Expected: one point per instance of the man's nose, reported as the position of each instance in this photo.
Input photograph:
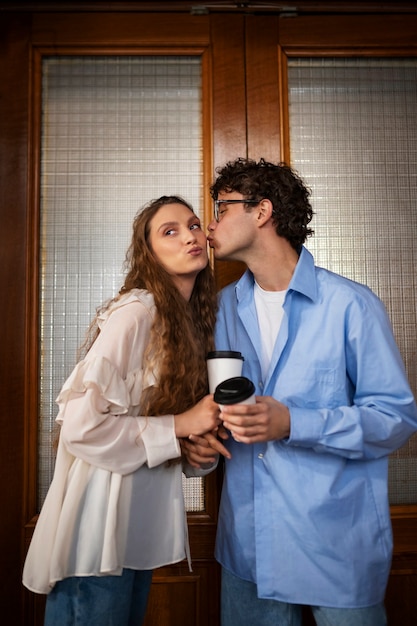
(212, 225)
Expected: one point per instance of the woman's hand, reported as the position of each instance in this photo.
(202, 418)
(202, 450)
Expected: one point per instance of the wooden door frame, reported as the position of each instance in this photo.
(13, 272)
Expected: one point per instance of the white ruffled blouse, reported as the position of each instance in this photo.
(113, 502)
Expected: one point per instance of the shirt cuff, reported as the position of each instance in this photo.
(306, 427)
(199, 472)
(158, 436)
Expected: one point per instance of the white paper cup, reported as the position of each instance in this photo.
(221, 365)
(237, 390)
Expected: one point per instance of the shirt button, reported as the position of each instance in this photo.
(261, 385)
(260, 455)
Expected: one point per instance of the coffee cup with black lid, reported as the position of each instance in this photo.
(221, 365)
(236, 390)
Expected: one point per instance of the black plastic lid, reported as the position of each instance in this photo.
(234, 390)
(225, 354)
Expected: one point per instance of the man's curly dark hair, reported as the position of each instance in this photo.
(279, 183)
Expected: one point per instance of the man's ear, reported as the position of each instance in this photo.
(263, 211)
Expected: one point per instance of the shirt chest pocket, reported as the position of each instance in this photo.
(316, 387)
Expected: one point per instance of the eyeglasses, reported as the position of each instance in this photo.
(219, 203)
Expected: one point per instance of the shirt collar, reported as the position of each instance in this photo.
(303, 280)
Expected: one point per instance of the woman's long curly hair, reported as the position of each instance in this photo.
(292, 211)
(182, 332)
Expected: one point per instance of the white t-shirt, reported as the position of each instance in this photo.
(270, 313)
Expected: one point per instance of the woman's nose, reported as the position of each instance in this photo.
(190, 236)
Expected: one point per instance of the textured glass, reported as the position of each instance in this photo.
(353, 136)
(116, 133)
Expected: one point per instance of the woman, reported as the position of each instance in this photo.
(115, 508)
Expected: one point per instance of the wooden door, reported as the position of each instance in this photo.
(177, 595)
(245, 83)
(270, 43)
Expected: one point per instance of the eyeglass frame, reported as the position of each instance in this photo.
(218, 203)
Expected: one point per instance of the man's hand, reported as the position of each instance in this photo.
(267, 420)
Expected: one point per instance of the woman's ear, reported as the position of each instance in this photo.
(263, 211)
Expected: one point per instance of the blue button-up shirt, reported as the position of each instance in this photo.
(307, 518)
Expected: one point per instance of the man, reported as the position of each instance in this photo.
(304, 516)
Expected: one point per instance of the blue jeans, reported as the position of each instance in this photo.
(241, 605)
(99, 600)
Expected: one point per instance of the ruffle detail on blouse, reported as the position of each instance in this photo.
(134, 295)
(120, 394)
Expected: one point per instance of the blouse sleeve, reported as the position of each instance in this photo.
(97, 402)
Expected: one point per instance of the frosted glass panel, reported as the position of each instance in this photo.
(116, 132)
(353, 136)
